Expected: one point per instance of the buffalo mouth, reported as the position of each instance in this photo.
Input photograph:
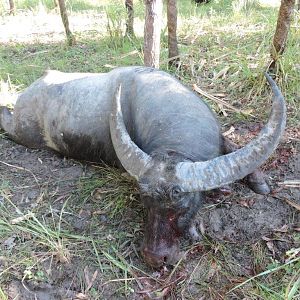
(163, 256)
(161, 239)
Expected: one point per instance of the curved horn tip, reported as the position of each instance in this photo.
(117, 101)
(134, 160)
(269, 79)
(119, 89)
(278, 97)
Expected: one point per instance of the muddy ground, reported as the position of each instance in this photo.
(235, 226)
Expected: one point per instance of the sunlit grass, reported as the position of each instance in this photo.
(214, 36)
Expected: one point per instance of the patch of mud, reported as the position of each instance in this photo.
(18, 290)
(244, 216)
(248, 219)
(31, 172)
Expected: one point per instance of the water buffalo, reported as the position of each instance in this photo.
(164, 135)
(201, 1)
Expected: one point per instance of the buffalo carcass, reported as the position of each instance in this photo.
(201, 1)
(157, 129)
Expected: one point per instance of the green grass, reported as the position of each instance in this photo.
(48, 5)
(229, 36)
(49, 232)
(109, 186)
(212, 38)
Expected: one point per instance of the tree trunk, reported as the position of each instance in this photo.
(152, 31)
(64, 17)
(282, 29)
(12, 8)
(130, 18)
(298, 5)
(172, 32)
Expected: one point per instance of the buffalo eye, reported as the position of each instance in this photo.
(175, 192)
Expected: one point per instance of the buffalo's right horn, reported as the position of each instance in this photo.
(207, 175)
(133, 159)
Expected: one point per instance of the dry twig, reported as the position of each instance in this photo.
(21, 168)
(290, 183)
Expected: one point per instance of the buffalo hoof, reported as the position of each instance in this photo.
(261, 188)
(5, 116)
(257, 183)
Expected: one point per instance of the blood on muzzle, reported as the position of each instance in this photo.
(161, 239)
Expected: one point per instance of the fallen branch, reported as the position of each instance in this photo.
(20, 219)
(291, 183)
(229, 131)
(173, 58)
(218, 100)
(129, 54)
(110, 66)
(34, 53)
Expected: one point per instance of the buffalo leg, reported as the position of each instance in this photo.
(255, 180)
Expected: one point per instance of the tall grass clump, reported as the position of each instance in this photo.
(35, 4)
(81, 5)
(115, 15)
(244, 5)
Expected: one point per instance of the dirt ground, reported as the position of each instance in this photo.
(239, 222)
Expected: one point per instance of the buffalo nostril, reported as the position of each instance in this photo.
(153, 258)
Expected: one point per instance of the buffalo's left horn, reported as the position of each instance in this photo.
(207, 175)
(133, 159)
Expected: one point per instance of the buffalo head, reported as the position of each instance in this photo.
(172, 187)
